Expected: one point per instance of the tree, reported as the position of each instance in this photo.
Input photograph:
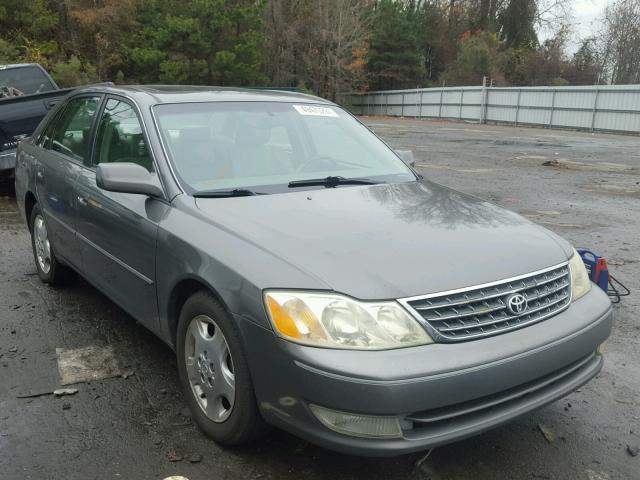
(73, 72)
(30, 30)
(200, 41)
(102, 30)
(620, 45)
(517, 24)
(586, 64)
(321, 46)
(478, 56)
(396, 58)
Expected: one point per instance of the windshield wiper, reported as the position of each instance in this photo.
(236, 192)
(330, 182)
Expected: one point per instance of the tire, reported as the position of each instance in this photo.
(50, 270)
(210, 367)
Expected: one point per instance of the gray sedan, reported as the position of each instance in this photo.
(306, 276)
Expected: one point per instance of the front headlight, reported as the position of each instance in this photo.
(335, 321)
(580, 282)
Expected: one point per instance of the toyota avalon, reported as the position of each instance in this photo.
(305, 275)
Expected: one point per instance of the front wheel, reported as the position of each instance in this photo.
(50, 270)
(214, 373)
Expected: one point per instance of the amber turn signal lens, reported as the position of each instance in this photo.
(294, 319)
(282, 320)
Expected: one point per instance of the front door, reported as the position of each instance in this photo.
(65, 146)
(117, 231)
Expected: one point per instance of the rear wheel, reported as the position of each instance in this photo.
(50, 270)
(214, 373)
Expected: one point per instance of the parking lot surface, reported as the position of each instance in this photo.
(584, 187)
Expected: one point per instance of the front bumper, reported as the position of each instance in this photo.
(440, 392)
(7, 160)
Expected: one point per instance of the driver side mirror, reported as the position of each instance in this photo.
(127, 177)
(407, 157)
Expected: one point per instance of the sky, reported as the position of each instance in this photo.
(586, 14)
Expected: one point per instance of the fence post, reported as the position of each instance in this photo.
(461, 100)
(402, 107)
(518, 106)
(553, 106)
(483, 100)
(421, 102)
(595, 110)
(386, 104)
(440, 107)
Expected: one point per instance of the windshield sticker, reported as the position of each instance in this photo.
(315, 110)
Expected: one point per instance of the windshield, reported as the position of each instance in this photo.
(27, 80)
(230, 145)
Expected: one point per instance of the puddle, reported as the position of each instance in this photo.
(87, 364)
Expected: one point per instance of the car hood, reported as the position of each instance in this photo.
(389, 240)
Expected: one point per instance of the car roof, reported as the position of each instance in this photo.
(158, 94)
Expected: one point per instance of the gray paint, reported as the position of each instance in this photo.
(369, 242)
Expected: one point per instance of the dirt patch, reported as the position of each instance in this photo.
(610, 167)
(454, 169)
(87, 364)
(613, 189)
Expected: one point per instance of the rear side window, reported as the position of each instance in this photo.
(26, 80)
(120, 137)
(72, 130)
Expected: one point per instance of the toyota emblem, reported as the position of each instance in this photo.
(516, 303)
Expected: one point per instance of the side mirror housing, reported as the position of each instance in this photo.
(125, 177)
(407, 157)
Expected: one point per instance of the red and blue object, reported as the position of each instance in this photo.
(597, 268)
(599, 274)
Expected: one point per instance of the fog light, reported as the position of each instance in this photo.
(601, 348)
(358, 425)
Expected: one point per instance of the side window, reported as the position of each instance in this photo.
(120, 137)
(70, 132)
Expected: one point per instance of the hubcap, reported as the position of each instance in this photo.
(43, 247)
(210, 368)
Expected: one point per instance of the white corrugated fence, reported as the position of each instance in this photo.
(613, 108)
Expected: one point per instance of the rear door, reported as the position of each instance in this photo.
(65, 145)
(117, 231)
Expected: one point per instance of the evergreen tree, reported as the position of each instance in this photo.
(396, 59)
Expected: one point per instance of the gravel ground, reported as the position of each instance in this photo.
(131, 427)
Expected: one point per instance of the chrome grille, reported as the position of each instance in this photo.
(482, 311)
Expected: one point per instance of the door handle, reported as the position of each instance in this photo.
(82, 201)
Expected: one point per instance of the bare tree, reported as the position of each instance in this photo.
(321, 45)
(620, 41)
